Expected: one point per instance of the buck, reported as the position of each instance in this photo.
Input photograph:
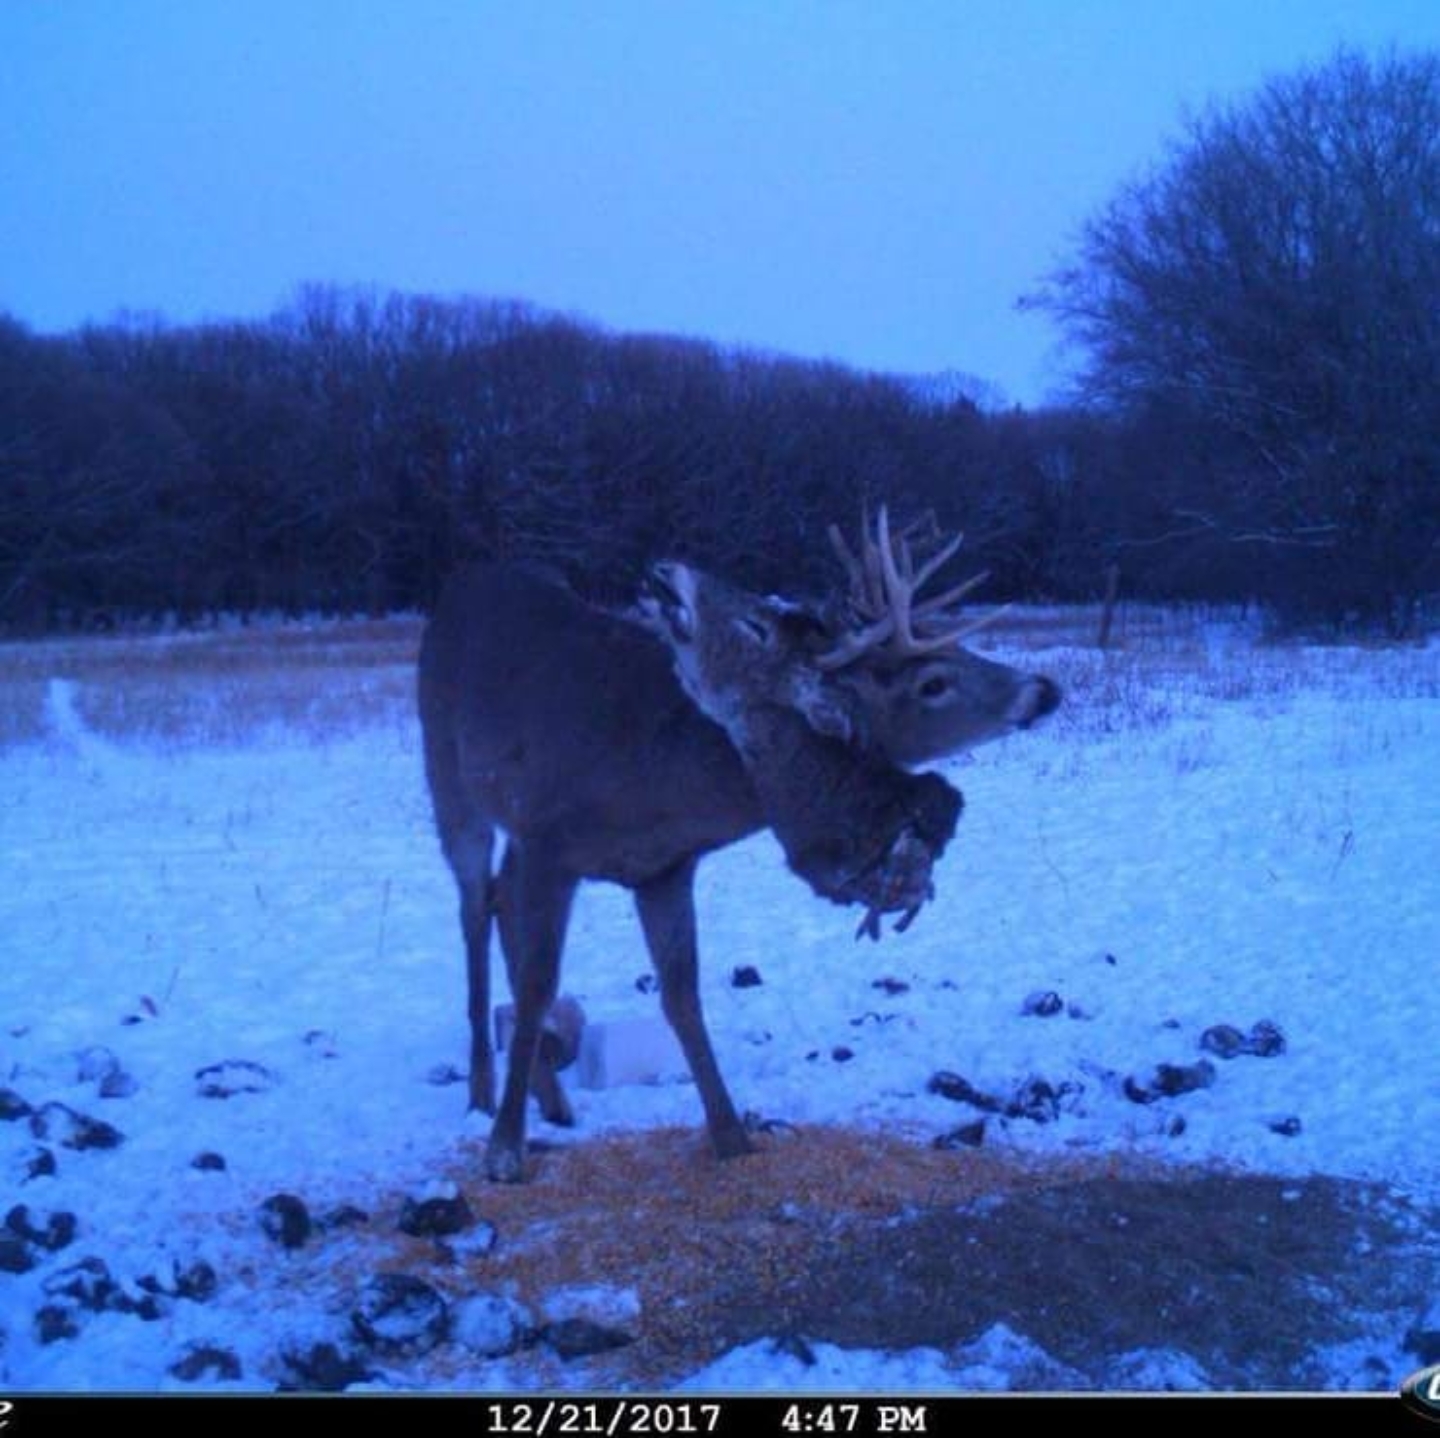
(567, 728)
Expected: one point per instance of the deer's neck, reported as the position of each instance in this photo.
(836, 812)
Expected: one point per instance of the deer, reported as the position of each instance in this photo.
(568, 728)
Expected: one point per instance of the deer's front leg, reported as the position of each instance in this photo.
(667, 913)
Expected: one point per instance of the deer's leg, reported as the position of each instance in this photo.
(534, 907)
(470, 857)
(556, 1049)
(550, 1052)
(667, 913)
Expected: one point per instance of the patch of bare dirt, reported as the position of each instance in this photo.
(875, 1241)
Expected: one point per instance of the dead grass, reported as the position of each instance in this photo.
(1167, 665)
(220, 686)
(1078, 626)
(227, 686)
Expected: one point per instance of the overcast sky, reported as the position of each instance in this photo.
(874, 181)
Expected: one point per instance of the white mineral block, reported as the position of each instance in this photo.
(629, 1051)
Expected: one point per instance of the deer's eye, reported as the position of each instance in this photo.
(934, 687)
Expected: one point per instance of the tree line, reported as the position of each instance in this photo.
(349, 452)
(1259, 418)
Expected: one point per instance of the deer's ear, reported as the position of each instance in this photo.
(822, 710)
(828, 718)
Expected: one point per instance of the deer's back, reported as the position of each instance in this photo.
(564, 725)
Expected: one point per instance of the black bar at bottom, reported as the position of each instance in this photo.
(555, 1417)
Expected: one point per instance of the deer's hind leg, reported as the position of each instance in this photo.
(469, 853)
(533, 898)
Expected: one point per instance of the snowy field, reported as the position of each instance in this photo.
(216, 850)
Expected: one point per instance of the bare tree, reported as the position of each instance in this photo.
(1277, 279)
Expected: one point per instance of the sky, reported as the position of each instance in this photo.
(870, 181)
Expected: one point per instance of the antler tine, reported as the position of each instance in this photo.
(923, 527)
(876, 589)
(897, 590)
(975, 626)
(853, 567)
(938, 559)
(928, 644)
(866, 588)
(951, 596)
(856, 643)
(884, 581)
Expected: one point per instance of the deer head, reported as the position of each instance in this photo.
(820, 709)
(876, 667)
(855, 827)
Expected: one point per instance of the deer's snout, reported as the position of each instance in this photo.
(1038, 697)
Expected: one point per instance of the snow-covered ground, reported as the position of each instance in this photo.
(1223, 835)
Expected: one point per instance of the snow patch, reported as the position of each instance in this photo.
(214, 907)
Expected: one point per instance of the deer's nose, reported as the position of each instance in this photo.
(1049, 697)
(1040, 697)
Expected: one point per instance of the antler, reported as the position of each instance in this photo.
(884, 581)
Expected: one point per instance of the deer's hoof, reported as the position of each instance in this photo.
(732, 1144)
(554, 1104)
(504, 1164)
